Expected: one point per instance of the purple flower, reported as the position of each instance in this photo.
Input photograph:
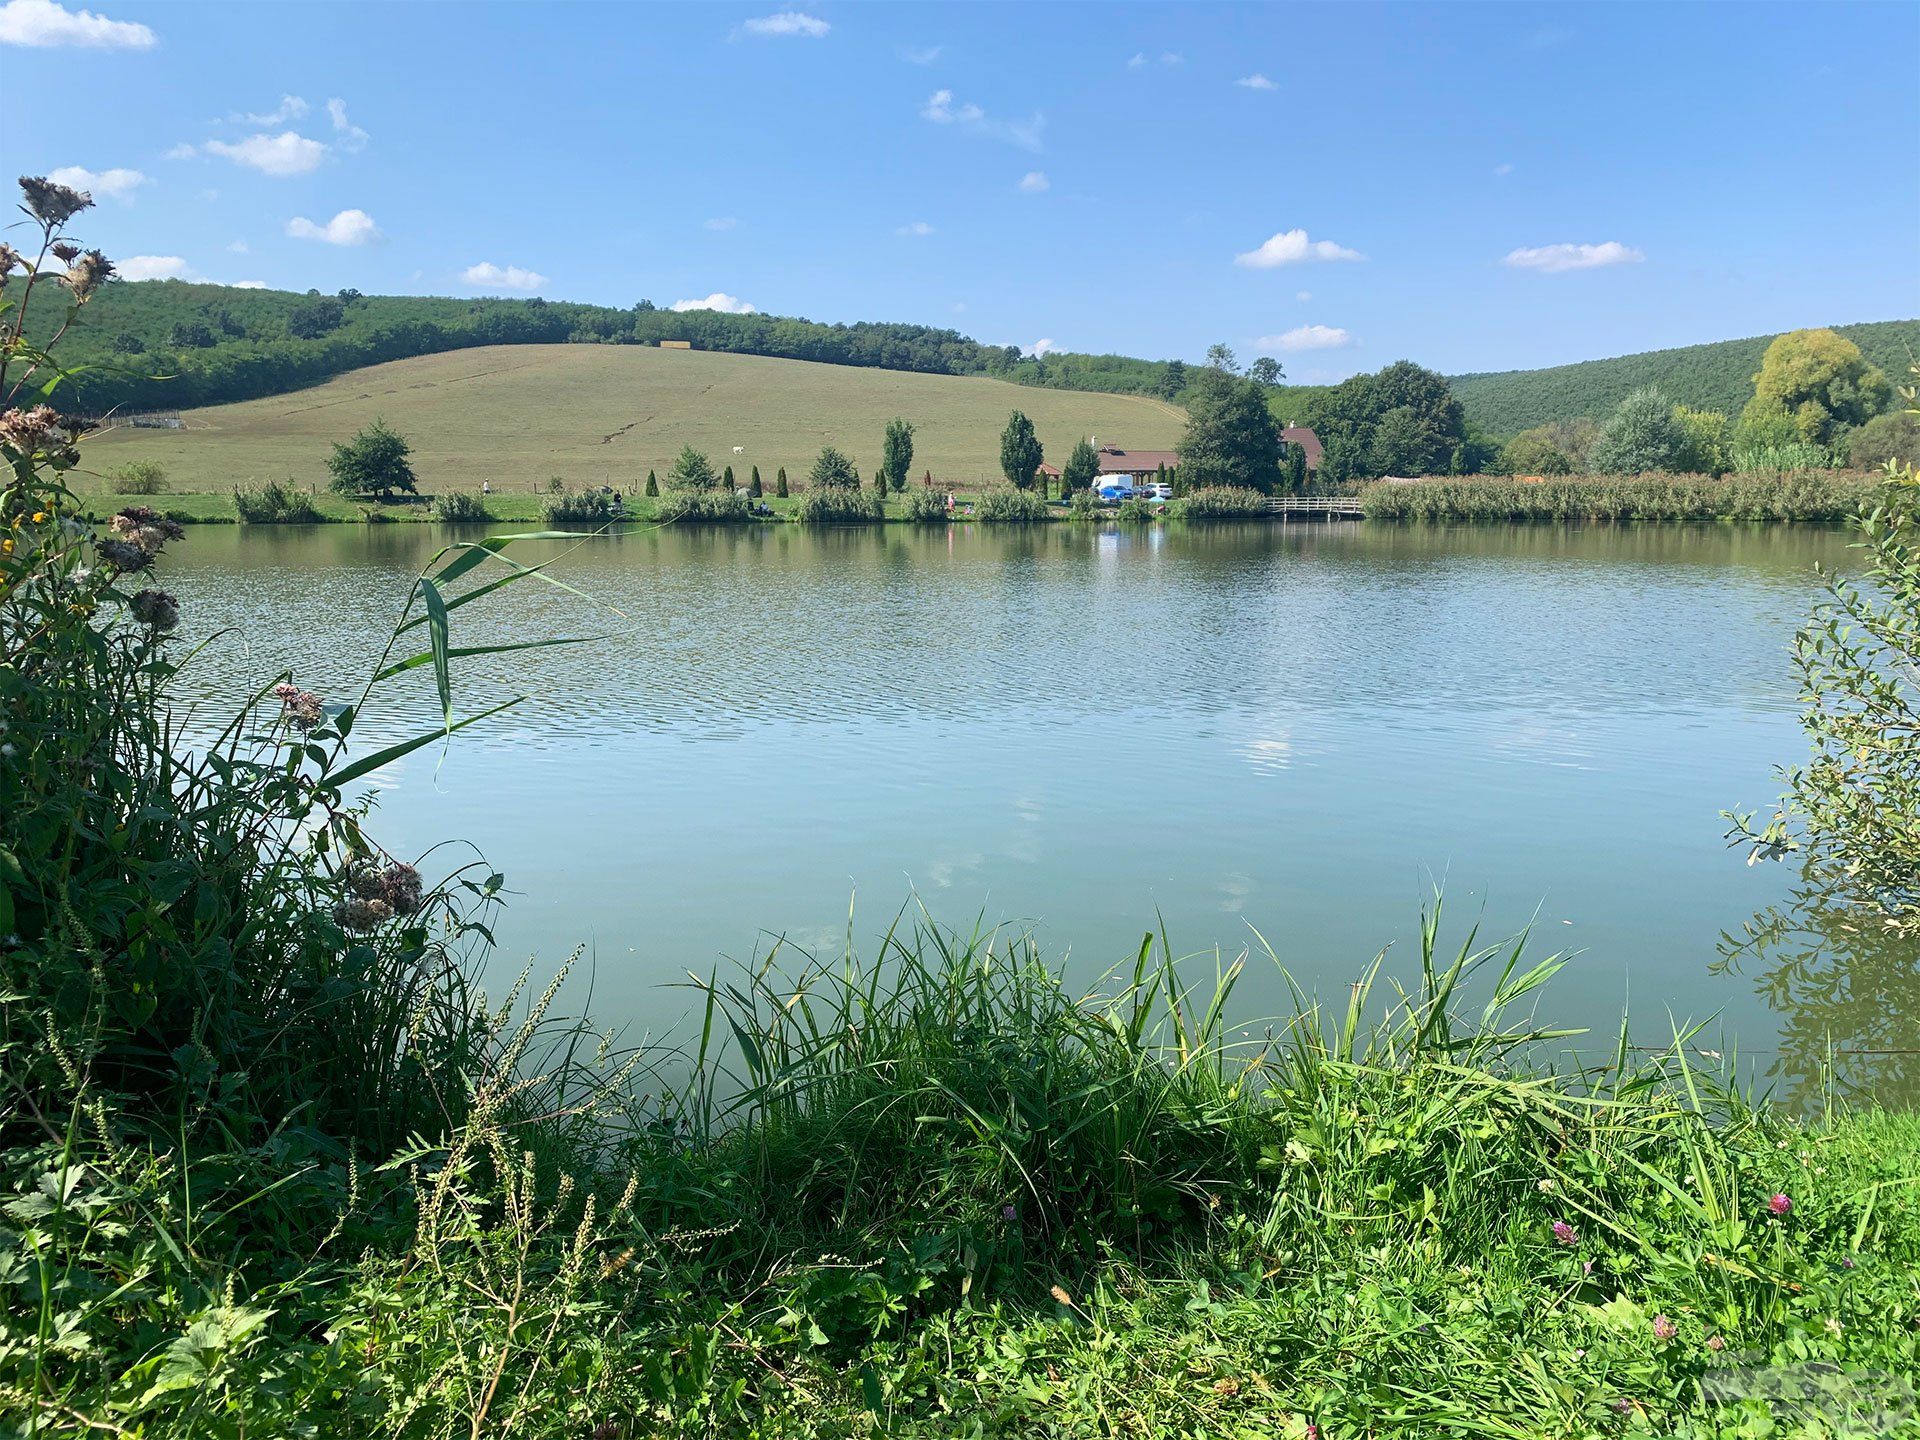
(1010, 1214)
(1664, 1329)
(1565, 1233)
(1780, 1205)
(1716, 1344)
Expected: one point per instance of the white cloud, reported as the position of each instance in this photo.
(250, 285)
(281, 155)
(915, 227)
(1035, 181)
(1503, 169)
(1303, 295)
(182, 151)
(788, 22)
(238, 247)
(115, 184)
(292, 107)
(489, 276)
(347, 135)
(1256, 81)
(1172, 57)
(42, 24)
(921, 54)
(1290, 247)
(154, 267)
(1137, 62)
(722, 222)
(1038, 348)
(941, 110)
(1306, 337)
(1551, 259)
(349, 227)
(719, 300)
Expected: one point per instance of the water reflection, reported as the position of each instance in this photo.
(1094, 730)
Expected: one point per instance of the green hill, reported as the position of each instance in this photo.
(1709, 377)
(607, 414)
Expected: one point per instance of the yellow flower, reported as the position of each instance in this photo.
(38, 516)
(6, 545)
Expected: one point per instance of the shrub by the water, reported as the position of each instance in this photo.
(274, 504)
(591, 507)
(1220, 502)
(1008, 506)
(138, 477)
(460, 507)
(714, 507)
(1135, 511)
(1805, 495)
(839, 505)
(1083, 506)
(924, 504)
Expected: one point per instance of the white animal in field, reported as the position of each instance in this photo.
(739, 449)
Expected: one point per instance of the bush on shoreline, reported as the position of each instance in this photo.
(839, 505)
(459, 507)
(1008, 506)
(703, 507)
(581, 507)
(275, 504)
(1221, 502)
(1793, 496)
(924, 504)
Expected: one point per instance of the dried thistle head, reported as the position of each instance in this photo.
(52, 204)
(65, 251)
(28, 430)
(87, 274)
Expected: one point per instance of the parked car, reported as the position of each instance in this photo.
(1159, 490)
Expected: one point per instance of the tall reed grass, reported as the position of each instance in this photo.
(1793, 496)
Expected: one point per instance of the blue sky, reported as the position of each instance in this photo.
(1470, 186)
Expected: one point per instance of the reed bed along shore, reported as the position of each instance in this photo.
(1808, 495)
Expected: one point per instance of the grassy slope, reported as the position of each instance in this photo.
(606, 415)
(1712, 377)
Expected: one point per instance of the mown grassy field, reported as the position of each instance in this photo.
(604, 415)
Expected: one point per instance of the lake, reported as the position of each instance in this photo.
(1090, 733)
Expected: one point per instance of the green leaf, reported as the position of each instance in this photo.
(373, 762)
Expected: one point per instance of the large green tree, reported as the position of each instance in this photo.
(1640, 437)
(1422, 441)
(1231, 436)
(1020, 452)
(896, 453)
(832, 471)
(1820, 382)
(692, 471)
(1560, 447)
(374, 462)
(1081, 470)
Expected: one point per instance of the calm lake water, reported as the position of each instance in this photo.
(1090, 733)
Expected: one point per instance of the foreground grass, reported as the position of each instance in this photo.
(931, 1194)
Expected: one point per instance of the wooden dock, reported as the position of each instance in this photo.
(1317, 507)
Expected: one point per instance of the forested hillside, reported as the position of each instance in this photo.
(1707, 377)
(175, 345)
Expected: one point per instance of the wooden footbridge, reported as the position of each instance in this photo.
(1317, 507)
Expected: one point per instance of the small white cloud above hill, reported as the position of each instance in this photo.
(154, 267)
(1552, 259)
(116, 184)
(42, 25)
(489, 276)
(349, 227)
(1306, 337)
(1256, 81)
(719, 300)
(1291, 247)
(788, 22)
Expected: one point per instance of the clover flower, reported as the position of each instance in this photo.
(155, 609)
(1664, 1329)
(1716, 1344)
(1010, 1214)
(1564, 1233)
(53, 204)
(1779, 1205)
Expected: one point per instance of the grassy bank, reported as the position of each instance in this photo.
(1805, 496)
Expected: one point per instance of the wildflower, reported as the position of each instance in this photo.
(1779, 1205)
(1059, 1292)
(1716, 1344)
(155, 609)
(53, 204)
(1664, 1329)
(27, 430)
(1834, 1327)
(87, 274)
(1846, 1262)
(145, 527)
(1586, 1267)
(1545, 1187)
(125, 555)
(10, 260)
(65, 251)
(362, 914)
(1564, 1233)
(1010, 1214)
(299, 707)
(607, 1430)
(1313, 1431)
(7, 751)
(1580, 1354)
